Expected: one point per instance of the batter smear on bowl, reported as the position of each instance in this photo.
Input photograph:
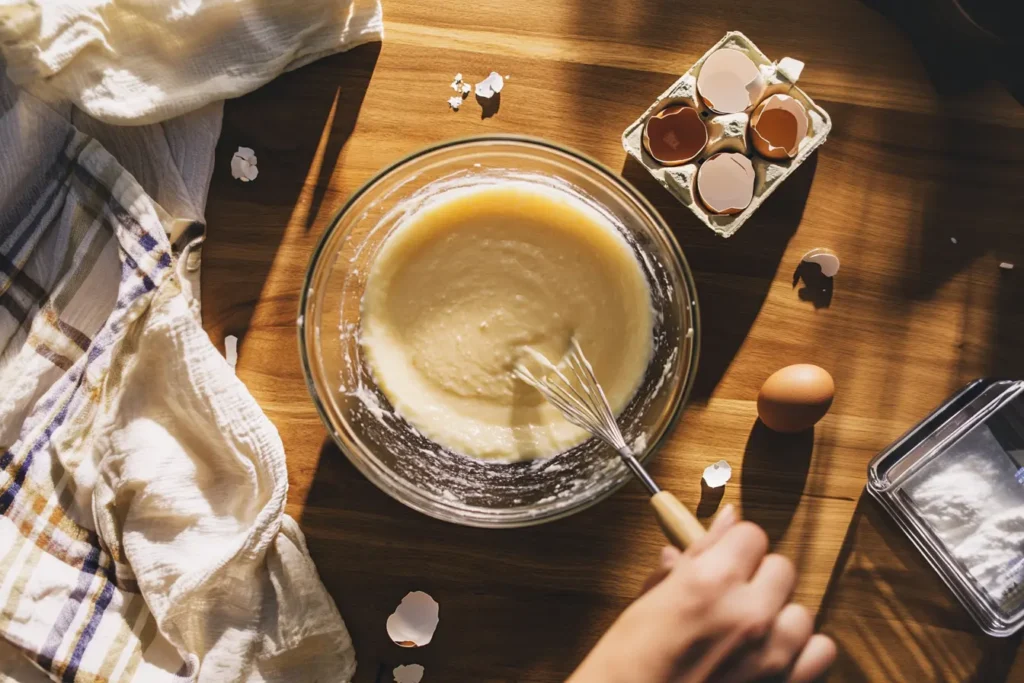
(464, 283)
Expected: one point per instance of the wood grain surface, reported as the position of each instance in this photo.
(915, 160)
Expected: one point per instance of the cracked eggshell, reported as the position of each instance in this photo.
(725, 183)
(826, 259)
(675, 135)
(717, 474)
(243, 165)
(408, 673)
(729, 82)
(790, 69)
(778, 126)
(490, 86)
(231, 350)
(414, 621)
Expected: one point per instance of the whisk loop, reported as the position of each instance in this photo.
(578, 395)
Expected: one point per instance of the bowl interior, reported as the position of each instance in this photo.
(386, 448)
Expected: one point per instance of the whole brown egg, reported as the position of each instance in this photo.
(795, 398)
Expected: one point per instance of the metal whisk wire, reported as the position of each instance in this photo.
(579, 397)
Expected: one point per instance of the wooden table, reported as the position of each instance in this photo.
(919, 192)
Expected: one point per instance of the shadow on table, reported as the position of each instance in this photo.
(970, 221)
(979, 203)
(959, 39)
(297, 124)
(976, 168)
(733, 275)
(773, 477)
(511, 600)
(895, 620)
(814, 285)
(710, 500)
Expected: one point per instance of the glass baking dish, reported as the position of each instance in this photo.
(955, 485)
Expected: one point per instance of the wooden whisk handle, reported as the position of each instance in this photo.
(679, 524)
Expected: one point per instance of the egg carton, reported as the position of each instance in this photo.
(728, 133)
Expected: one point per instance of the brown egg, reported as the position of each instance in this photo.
(725, 183)
(795, 398)
(675, 135)
(729, 82)
(777, 127)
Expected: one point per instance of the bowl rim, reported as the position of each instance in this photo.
(366, 468)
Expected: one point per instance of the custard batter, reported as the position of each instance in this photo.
(461, 286)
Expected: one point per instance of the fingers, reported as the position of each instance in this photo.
(788, 636)
(774, 582)
(724, 520)
(736, 555)
(816, 657)
(667, 560)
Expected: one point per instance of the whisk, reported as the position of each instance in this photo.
(578, 395)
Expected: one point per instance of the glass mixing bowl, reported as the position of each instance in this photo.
(387, 449)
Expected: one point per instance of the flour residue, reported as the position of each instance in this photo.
(971, 497)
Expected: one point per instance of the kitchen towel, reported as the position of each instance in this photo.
(142, 527)
(132, 62)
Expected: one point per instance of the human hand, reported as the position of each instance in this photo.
(718, 611)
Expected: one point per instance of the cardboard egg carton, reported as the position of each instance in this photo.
(729, 133)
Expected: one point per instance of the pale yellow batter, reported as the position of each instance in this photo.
(461, 286)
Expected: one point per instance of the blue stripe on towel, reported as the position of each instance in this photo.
(106, 595)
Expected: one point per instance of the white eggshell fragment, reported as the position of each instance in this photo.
(778, 126)
(408, 673)
(231, 350)
(790, 69)
(243, 165)
(490, 86)
(827, 259)
(414, 621)
(725, 183)
(729, 82)
(716, 474)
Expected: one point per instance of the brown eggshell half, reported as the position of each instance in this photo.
(795, 398)
(729, 82)
(777, 127)
(725, 183)
(675, 135)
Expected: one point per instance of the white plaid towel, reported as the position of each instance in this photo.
(142, 490)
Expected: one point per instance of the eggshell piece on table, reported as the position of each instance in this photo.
(717, 474)
(729, 82)
(490, 86)
(725, 183)
(826, 259)
(795, 398)
(675, 135)
(414, 621)
(408, 673)
(777, 127)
